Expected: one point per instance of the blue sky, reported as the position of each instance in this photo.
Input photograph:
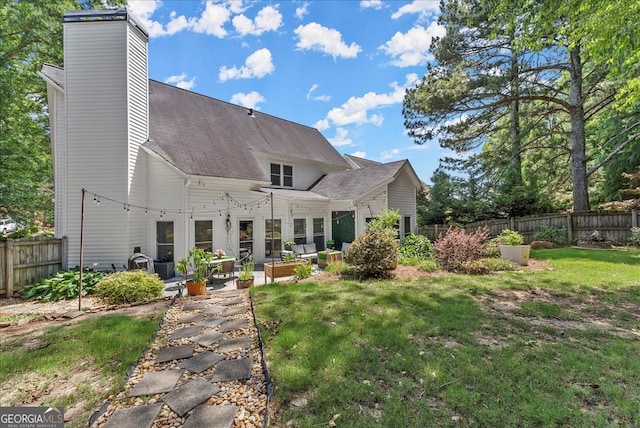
(340, 66)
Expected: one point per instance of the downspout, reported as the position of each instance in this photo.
(185, 221)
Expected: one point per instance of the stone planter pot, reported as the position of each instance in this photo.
(197, 288)
(516, 253)
(244, 283)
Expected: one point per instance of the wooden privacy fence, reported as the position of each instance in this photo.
(27, 261)
(615, 225)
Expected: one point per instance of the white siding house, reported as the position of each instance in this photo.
(164, 169)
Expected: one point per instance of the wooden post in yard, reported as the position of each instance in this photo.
(9, 266)
(569, 229)
(81, 251)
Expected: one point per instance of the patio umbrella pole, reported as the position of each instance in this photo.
(273, 256)
(81, 250)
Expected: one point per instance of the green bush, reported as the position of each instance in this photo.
(303, 271)
(487, 265)
(551, 234)
(63, 285)
(338, 268)
(428, 265)
(417, 246)
(510, 237)
(373, 254)
(128, 287)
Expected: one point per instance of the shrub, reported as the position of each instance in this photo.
(338, 268)
(510, 237)
(417, 246)
(373, 253)
(128, 287)
(551, 234)
(635, 236)
(492, 249)
(459, 246)
(303, 271)
(428, 265)
(385, 219)
(487, 265)
(63, 285)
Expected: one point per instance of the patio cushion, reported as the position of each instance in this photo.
(310, 248)
(297, 249)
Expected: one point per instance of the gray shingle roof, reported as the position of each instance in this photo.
(354, 183)
(200, 135)
(205, 136)
(361, 162)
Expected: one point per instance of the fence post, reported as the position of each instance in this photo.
(512, 223)
(569, 229)
(634, 218)
(9, 265)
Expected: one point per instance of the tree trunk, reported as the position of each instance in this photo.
(514, 126)
(577, 135)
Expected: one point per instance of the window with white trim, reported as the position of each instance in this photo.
(281, 175)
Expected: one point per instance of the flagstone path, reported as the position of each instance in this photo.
(202, 370)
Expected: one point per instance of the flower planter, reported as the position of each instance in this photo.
(516, 253)
(244, 283)
(326, 257)
(197, 288)
(281, 269)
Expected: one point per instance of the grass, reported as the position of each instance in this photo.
(75, 366)
(555, 347)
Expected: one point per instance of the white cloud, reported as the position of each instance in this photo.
(176, 24)
(357, 109)
(373, 4)
(302, 10)
(212, 20)
(341, 138)
(179, 81)
(412, 48)
(249, 100)
(322, 125)
(314, 36)
(421, 7)
(268, 19)
(257, 65)
(310, 95)
(359, 154)
(389, 154)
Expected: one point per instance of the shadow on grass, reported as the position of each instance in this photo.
(378, 354)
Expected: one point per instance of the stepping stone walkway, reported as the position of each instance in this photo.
(203, 370)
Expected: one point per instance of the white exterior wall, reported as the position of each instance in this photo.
(96, 94)
(138, 130)
(304, 173)
(57, 123)
(165, 198)
(402, 197)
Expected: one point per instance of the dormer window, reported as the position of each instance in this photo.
(281, 175)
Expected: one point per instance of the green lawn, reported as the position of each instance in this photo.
(75, 366)
(554, 347)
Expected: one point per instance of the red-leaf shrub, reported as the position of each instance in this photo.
(458, 246)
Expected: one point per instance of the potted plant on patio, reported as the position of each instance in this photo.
(512, 247)
(245, 276)
(330, 244)
(197, 262)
